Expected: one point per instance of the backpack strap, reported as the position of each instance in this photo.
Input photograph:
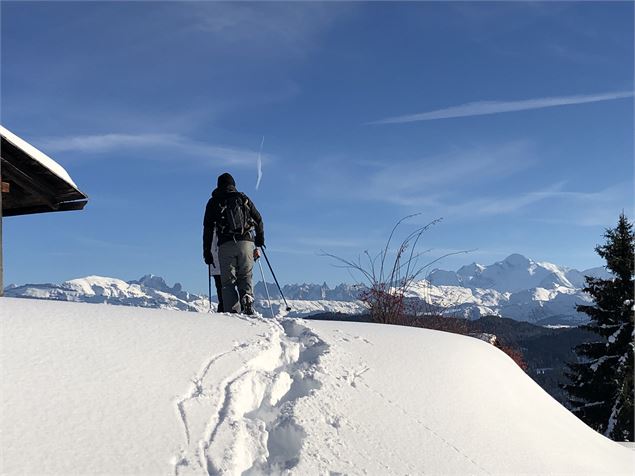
(247, 209)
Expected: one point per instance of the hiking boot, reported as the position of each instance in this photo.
(248, 305)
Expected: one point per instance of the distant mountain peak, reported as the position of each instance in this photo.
(153, 281)
(468, 269)
(514, 273)
(516, 259)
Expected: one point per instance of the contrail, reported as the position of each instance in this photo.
(262, 142)
(482, 108)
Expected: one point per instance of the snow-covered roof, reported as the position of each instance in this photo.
(35, 182)
(37, 155)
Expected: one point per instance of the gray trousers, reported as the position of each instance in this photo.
(236, 265)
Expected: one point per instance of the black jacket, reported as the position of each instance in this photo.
(212, 217)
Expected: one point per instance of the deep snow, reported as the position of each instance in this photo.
(90, 388)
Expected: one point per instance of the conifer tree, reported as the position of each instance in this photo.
(601, 382)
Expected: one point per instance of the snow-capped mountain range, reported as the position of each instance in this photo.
(153, 292)
(515, 273)
(516, 287)
(149, 291)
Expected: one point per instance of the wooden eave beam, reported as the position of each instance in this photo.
(61, 207)
(50, 183)
(28, 183)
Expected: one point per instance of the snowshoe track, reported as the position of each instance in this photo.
(246, 424)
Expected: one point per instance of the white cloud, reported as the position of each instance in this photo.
(464, 185)
(438, 173)
(158, 146)
(481, 108)
(422, 182)
(510, 204)
(555, 205)
(272, 29)
(595, 208)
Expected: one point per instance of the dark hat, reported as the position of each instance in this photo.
(226, 180)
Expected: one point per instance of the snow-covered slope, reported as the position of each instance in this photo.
(91, 389)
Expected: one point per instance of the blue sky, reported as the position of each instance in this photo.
(512, 121)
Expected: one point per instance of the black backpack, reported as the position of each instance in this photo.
(235, 217)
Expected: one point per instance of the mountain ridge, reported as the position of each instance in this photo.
(516, 287)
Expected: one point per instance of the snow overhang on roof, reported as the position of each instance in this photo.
(32, 182)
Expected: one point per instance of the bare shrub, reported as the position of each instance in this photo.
(515, 354)
(441, 323)
(386, 282)
(387, 279)
(385, 307)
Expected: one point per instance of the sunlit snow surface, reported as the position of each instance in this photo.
(90, 388)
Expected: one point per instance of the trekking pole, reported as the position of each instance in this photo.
(262, 273)
(275, 279)
(209, 279)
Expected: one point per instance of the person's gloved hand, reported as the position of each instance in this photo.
(256, 253)
(209, 258)
(259, 241)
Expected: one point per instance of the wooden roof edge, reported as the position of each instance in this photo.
(60, 207)
(40, 157)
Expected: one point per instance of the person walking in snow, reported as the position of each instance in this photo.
(233, 217)
(214, 270)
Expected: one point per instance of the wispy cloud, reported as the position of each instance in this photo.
(506, 204)
(591, 208)
(454, 169)
(511, 204)
(268, 29)
(162, 146)
(481, 108)
(473, 184)
(418, 182)
(551, 204)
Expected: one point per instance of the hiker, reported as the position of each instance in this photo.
(214, 270)
(233, 217)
